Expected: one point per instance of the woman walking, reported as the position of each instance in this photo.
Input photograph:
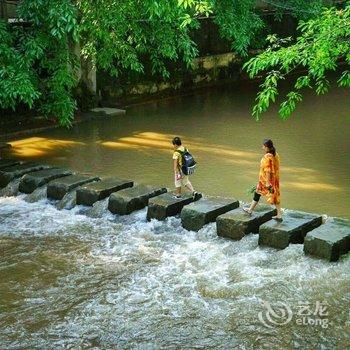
(268, 185)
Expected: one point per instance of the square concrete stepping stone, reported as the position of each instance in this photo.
(165, 205)
(292, 229)
(5, 163)
(57, 189)
(135, 198)
(96, 191)
(13, 172)
(195, 215)
(235, 224)
(106, 111)
(329, 241)
(32, 181)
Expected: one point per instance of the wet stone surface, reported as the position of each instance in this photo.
(96, 191)
(13, 172)
(5, 163)
(329, 241)
(292, 229)
(195, 215)
(106, 111)
(32, 181)
(166, 205)
(57, 189)
(235, 224)
(126, 201)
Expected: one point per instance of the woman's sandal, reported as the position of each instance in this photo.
(247, 211)
(277, 218)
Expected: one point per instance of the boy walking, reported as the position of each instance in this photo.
(180, 178)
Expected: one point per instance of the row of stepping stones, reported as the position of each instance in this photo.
(327, 240)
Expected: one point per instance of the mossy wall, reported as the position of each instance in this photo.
(216, 64)
(206, 71)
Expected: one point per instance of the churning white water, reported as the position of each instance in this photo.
(84, 278)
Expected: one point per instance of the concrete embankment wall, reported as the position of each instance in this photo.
(323, 238)
(216, 64)
(207, 71)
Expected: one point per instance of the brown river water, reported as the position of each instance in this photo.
(226, 141)
(87, 279)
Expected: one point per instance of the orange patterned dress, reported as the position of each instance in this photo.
(269, 165)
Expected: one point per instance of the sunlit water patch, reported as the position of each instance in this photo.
(84, 278)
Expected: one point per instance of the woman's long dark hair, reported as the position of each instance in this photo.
(269, 144)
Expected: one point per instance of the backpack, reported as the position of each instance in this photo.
(188, 162)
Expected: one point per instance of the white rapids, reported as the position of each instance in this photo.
(84, 278)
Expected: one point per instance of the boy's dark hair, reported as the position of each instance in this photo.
(177, 141)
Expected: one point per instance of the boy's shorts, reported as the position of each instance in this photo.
(182, 182)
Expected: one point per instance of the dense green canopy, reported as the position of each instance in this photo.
(40, 57)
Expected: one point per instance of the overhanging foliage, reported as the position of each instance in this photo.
(324, 42)
(39, 61)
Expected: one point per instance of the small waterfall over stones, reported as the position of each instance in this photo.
(37, 195)
(11, 189)
(68, 201)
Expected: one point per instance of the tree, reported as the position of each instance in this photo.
(37, 66)
(38, 63)
(323, 43)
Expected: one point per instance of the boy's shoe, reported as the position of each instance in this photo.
(196, 195)
(279, 219)
(177, 196)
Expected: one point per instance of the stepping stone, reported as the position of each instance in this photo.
(165, 205)
(5, 163)
(32, 181)
(106, 111)
(195, 215)
(10, 173)
(292, 229)
(235, 224)
(126, 201)
(329, 241)
(57, 189)
(96, 191)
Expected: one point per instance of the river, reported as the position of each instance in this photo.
(87, 279)
(226, 141)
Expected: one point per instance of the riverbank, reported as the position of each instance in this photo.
(21, 127)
